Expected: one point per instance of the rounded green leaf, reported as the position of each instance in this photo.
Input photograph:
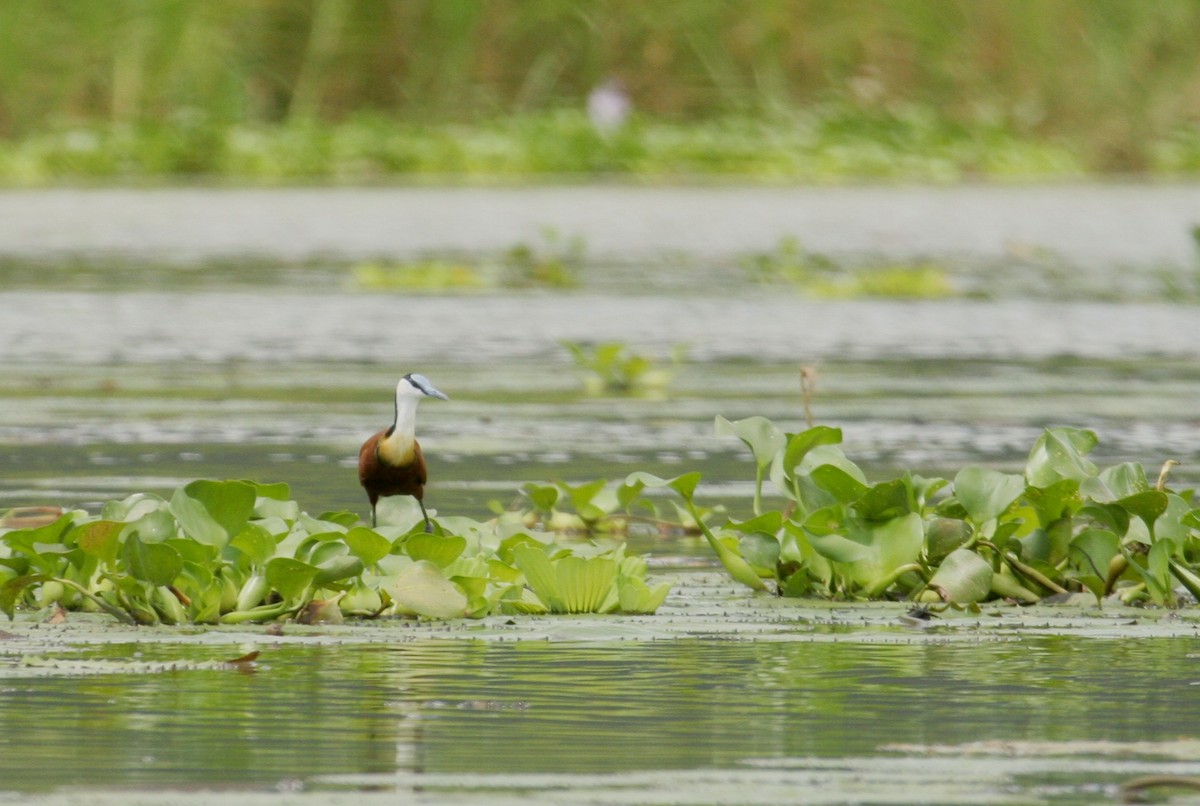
(156, 563)
(986, 493)
(337, 569)
(441, 550)
(963, 577)
(288, 577)
(367, 544)
(255, 543)
(99, 539)
(422, 590)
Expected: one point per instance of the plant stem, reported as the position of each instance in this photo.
(114, 611)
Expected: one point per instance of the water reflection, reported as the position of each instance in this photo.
(484, 707)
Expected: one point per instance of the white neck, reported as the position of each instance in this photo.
(397, 447)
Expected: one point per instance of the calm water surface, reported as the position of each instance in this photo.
(477, 707)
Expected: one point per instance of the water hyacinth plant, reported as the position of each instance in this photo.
(613, 368)
(235, 551)
(1063, 526)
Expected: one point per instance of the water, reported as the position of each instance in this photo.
(132, 362)
(334, 715)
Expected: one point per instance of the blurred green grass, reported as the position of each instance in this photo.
(791, 90)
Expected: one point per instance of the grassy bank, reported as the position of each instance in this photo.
(788, 89)
(823, 145)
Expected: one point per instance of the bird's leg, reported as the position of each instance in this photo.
(428, 523)
(372, 515)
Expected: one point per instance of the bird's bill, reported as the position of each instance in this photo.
(422, 383)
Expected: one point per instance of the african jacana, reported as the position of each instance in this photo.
(390, 463)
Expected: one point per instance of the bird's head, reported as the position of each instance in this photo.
(418, 386)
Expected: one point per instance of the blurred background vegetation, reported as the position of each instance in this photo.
(813, 90)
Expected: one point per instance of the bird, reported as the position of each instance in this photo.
(608, 107)
(391, 462)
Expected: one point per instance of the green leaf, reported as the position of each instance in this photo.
(767, 523)
(540, 575)
(132, 507)
(155, 526)
(582, 495)
(798, 445)
(255, 543)
(422, 590)
(635, 597)
(99, 539)
(944, 535)
(156, 563)
(765, 441)
(963, 577)
(1120, 481)
(837, 482)
(839, 548)
(986, 493)
(228, 503)
(1172, 525)
(266, 507)
(1092, 550)
(1059, 454)
(195, 520)
(585, 584)
(761, 436)
(437, 549)
(367, 544)
(1148, 505)
(1054, 501)
(10, 592)
(685, 485)
(336, 569)
(886, 500)
(288, 577)
(543, 497)
(734, 563)
(760, 550)
(1048, 545)
(897, 542)
(279, 491)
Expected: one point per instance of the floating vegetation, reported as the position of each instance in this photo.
(552, 263)
(423, 275)
(613, 368)
(235, 551)
(1063, 527)
(821, 276)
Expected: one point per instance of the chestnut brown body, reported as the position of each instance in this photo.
(381, 479)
